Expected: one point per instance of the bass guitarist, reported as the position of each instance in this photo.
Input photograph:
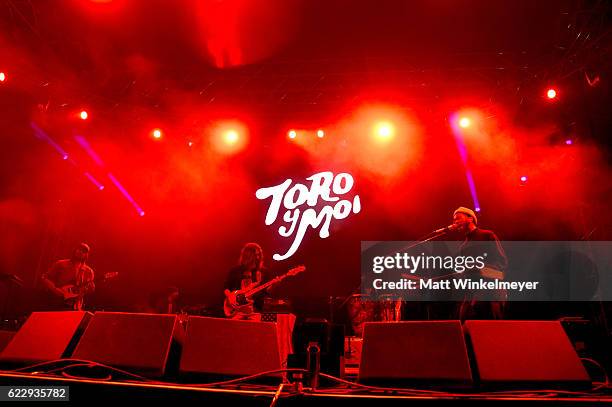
(68, 281)
(248, 283)
(249, 273)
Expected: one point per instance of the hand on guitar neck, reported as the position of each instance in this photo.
(241, 301)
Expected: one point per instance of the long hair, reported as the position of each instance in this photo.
(251, 256)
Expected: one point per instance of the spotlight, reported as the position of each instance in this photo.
(231, 136)
(190, 143)
(384, 130)
(551, 93)
(83, 115)
(569, 142)
(477, 209)
(141, 213)
(524, 179)
(2, 76)
(465, 122)
(292, 134)
(65, 157)
(157, 134)
(101, 187)
(320, 133)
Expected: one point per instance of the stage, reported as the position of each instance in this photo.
(109, 356)
(83, 390)
(277, 202)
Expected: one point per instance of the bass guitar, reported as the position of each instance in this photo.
(241, 302)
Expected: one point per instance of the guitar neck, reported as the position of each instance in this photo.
(264, 286)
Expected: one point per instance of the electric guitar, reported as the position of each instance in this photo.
(240, 301)
(74, 295)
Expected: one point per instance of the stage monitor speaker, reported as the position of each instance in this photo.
(225, 347)
(525, 354)
(429, 353)
(5, 338)
(138, 343)
(45, 336)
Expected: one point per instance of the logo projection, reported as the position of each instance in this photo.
(312, 205)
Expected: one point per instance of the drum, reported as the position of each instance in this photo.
(390, 308)
(361, 310)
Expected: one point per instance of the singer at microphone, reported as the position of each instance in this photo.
(476, 242)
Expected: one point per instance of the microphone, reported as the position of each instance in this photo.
(448, 228)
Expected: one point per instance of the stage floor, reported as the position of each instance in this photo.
(82, 390)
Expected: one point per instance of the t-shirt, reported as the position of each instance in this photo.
(65, 272)
(240, 276)
(480, 241)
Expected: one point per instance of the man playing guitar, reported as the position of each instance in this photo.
(249, 273)
(247, 284)
(69, 280)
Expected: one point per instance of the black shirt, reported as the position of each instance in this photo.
(239, 273)
(480, 241)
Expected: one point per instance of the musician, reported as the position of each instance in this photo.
(69, 273)
(476, 242)
(249, 273)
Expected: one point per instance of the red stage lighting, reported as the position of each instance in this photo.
(320, 133)
(157, 134)
(551, 93)
(231, 137)
(83, 115)
(292, 134)
(524, 179)
(384, 131)
(465, 122)
(2, 76)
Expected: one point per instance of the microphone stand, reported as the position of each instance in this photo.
(431, 236)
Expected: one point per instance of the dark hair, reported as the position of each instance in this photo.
(251, 256)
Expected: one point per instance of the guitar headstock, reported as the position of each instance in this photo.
(296, 270)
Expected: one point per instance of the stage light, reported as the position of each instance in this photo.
(465, 122)
(141, 213)
(384, 131)
(101, 187)
(292, 134)
(83, 115)
(569, 142)
(2, 76)
(65, 157)
(320, 133)
(477, 209)
(190, 143)
(231, 137)
(524, 179)
(157, 134)
(551, 93)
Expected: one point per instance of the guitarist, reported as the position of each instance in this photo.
(68, 281)
(249, 273)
